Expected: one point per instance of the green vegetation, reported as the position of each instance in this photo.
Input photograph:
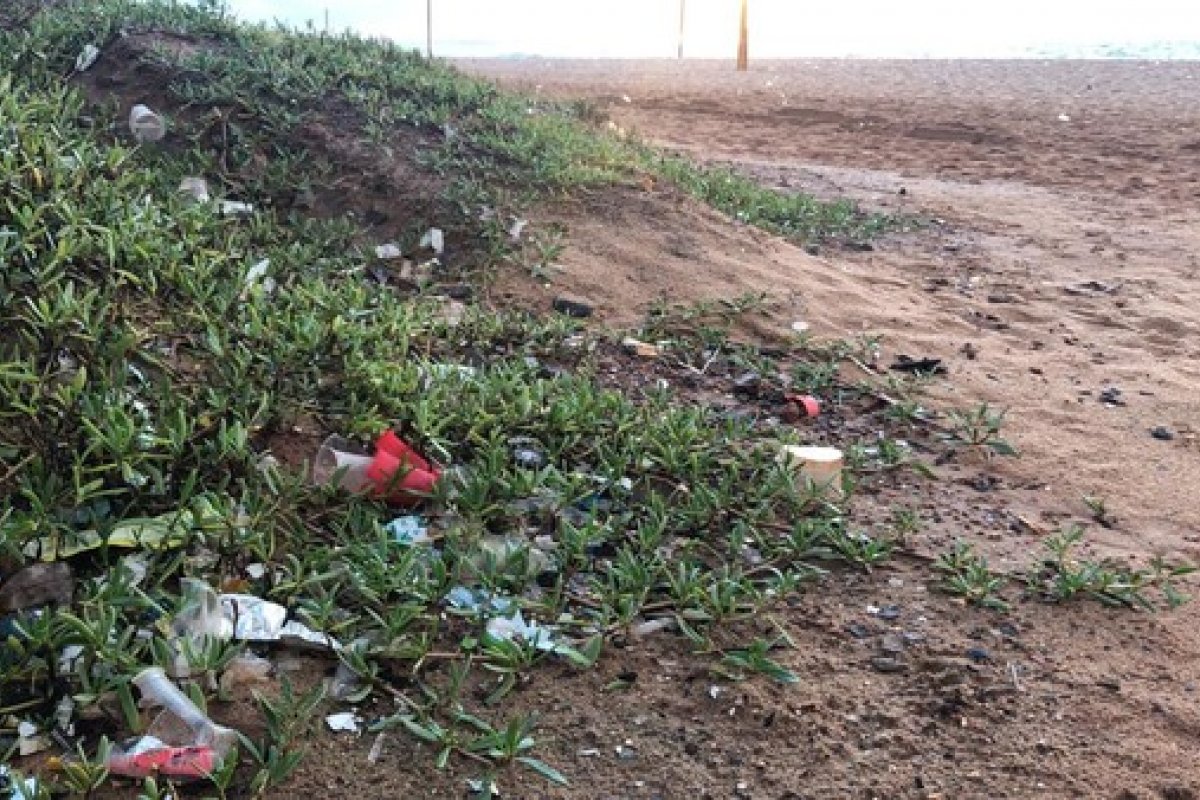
(157, 351)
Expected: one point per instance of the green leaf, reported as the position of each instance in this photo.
(545, 770)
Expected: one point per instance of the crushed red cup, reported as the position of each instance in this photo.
(399, 473)
(170, 762)
(806, 403)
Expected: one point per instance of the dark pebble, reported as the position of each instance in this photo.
(573, 307)
(888, 664)
(979, 655)
(459, 291)
(889, 612)
(747, 383)
(1162, 433)
(858, 631)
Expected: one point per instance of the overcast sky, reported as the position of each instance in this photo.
(779, 28)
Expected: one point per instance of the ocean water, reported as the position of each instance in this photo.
(1147, 29)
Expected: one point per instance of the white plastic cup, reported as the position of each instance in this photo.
(146, 125)
(155, 686)
(820, 465)
(339, 464)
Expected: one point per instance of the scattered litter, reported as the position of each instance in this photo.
(589, 752)
(37, 585)
(820, 465)
(809, 405)
(87, 57)
(461, 372)
(29, 740)
(344, 722)
(234, 208)
(256, 273)
(918, 366)
(387, 252)
(636, 347)
(650, 627)
(435, 240)
(297, 634)
(1064, 118)
(505, 548)
(245, 670)
(256, 572)
(376, 748)
(408, 530)
(146, 125)
(182, 742)
(475, 786)
(196, 187)
(800, 327)
(149, 756)
(157, 533)
(514, 626)
(517, 228)
(68, 657)
(17, 788)
(345, 683)
(526, 452)
(476, 600)
(1092, 288)
(395, 473)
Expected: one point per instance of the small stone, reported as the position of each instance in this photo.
(459, 291)
(979, 655)
(892, 644)
(888, 664)
(1162, 433)
(37, 585)
(747, 383)
(1111, 397)
(858, 631)
(888, 612)
(573, 307)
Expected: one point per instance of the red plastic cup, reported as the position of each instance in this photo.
(393, 445)
(397, 482)
(810, 405)
(170, 762)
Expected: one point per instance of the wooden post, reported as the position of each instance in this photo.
(429, 28)
(743, 61)
(682, 24)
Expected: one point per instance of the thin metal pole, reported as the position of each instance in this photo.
(429, 28)
(743, 58)
(682, 24)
